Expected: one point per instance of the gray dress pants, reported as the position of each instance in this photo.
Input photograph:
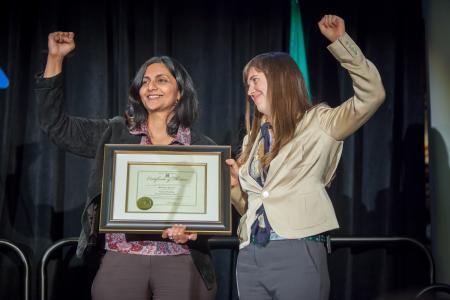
(145, 277)
(283, 270)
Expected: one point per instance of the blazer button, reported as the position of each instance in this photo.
(265, 194)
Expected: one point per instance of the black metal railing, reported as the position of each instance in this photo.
(26, 265)
(44, 261)
(432, 289)
(233, 243)
(387, 241)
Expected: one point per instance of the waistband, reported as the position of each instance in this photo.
(322, 238)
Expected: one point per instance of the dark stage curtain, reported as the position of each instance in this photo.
(379, 188)
(380, 184)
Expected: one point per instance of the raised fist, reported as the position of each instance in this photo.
(332, 27)
(60, 43)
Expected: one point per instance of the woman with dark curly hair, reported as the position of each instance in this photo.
(162, 107)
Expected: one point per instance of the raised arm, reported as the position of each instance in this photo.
(59, 45)
(77, 135)
(369, 94)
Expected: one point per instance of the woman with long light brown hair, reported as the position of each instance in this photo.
(289, 156)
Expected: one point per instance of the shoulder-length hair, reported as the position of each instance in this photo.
(186, 109)
(288, 101)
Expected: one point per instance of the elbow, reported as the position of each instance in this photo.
(240, 208)
(380, 91)
(382, 95)
(377, 88)
(379, 94)
(239, 211)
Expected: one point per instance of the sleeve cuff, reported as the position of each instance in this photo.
(49, 82)
(344, 49)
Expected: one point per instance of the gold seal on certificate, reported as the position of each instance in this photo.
(144, 203)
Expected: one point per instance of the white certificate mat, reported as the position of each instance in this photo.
(177, 184)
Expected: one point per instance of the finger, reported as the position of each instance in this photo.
(325, 22)
(322, 21)
(329, 24)
(192, 237)
(67, 37)
(340, 21)
(54, 36)
(334, 20)
(174, 230)
(233, 164)
(179, 229)
(230, 162)
(58, 37)
(337, 22)
(180, 238)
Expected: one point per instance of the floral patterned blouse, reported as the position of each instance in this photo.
(118, 242)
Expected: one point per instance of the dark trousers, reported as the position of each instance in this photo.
(283, 270)
(141, 277)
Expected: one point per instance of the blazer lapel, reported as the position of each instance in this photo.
(252, 184)
(278, 161)
(284, 152)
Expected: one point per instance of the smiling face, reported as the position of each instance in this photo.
(159, 91)
(257, 90)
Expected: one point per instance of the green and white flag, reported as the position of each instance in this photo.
(297, 42)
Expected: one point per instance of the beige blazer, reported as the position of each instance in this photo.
(294, 196)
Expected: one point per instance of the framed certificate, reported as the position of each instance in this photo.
(147, 189)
